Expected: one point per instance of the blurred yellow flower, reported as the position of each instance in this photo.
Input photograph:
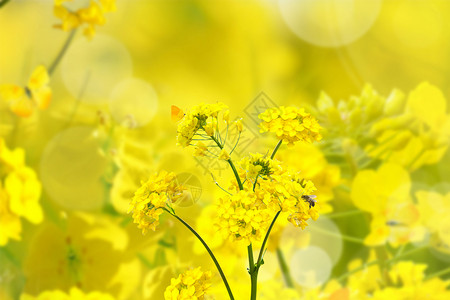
(434, 210)
(23, 101)
(74, 294)
(87, 252)
(91, 15)
(290, 124)
(190, 285)
(156, 193)
(419, 135)
(385, 194)
(20, 191)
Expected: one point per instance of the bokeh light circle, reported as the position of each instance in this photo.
(322, 233)
(329, 23)
(133, 99)
(90, 68)
(71, 169)
(311, 267)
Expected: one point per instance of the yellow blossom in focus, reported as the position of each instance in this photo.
(190, 285)
(91, 15)
(20, 191)
(242, 216)
(290, 124)
(202, 116)
(74, 294)
(148, 202)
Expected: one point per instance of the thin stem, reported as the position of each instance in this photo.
(211, 254)
(219, 185)
(258, 262)
(230, 162)
(284, 269)
(276, 149)
(237, 142)
(253, 271)
(256, 180)
(3, 3)
(61, 52)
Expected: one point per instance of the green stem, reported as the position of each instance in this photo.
(276, 149)
(438, 274)
(3, 3)
(230, 162)
(284, 269)
(211, 254)
(61, 52)
(261, 251)
(253, 271)
(10, 256)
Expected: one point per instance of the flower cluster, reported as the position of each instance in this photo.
(290, 124)
(268, 187)
(91, 15)
(20, 191)
(149, 200)
(74, 294)
(243, 216)
(191, 285)
(202, 116)
(408, 130)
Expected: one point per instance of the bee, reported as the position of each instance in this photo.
(311, 199)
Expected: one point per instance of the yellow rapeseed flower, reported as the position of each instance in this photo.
(202, 116)
(91, 15)
(148, 202)
(242, 216)
(20, 191)
(191, 285)
(290, 124)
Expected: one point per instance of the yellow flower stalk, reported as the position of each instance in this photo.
(290, 124)
(264, 187)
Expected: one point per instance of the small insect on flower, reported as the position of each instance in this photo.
(311, 199)
(176, 113)
(36, 94)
